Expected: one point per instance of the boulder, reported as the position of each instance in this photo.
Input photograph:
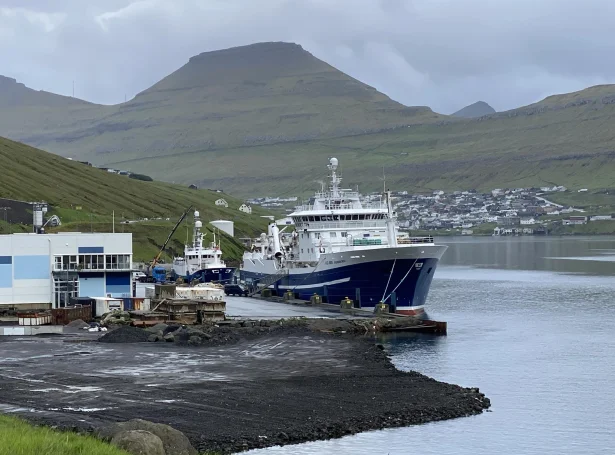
(169, 337)
(198, 333)
(171, 328)
(139, 442)
(157, 328)
(174, 441)
(195, 340)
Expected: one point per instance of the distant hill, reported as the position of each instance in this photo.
(475, 110)
(85, 197)
(16, 95)
(245, 96)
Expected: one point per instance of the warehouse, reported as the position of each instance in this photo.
(46, 270)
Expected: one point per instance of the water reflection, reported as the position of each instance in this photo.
(586, 255)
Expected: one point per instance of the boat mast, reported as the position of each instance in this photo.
(391, 221)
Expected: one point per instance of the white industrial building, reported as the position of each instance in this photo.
(225, 226)
(49, 269)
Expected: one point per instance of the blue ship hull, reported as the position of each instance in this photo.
(367, 283)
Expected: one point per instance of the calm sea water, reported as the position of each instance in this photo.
(532, 323)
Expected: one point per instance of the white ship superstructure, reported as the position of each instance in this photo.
(202, 263)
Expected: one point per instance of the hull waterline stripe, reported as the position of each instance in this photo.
(315, 285)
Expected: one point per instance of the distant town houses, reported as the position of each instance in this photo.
(501, 211)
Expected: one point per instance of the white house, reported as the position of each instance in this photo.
(245, 208)
(221, 202)
(528, 221)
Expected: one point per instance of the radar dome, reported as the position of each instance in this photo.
(196, 213)
(198, 224)
(333, 162)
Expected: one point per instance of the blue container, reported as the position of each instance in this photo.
(128, 304)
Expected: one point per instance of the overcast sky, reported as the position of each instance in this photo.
(441, 53)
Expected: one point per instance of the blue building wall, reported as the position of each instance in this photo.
(31, 267)
(92, 285)
(6, 272)
(118, 284)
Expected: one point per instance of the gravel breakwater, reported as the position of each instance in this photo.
(242, 385)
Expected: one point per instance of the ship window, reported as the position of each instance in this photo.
(333, 234)
(305, 218)
(301, 250)
(361, 217)
(310, 218)
(336, 218)
(344, 234)
(355, 217)
(317, 235)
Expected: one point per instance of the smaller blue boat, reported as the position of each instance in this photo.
(202, 263)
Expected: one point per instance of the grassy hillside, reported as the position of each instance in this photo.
(556, 142)
(85, 198)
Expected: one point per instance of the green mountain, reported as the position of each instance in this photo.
(263, 119)
(85, 198)
(478, 109)
(246, 96)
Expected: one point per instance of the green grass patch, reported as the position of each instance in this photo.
(18, 437)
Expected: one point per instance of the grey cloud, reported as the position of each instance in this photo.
(444, 54)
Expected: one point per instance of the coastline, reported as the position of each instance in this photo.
(278, 385)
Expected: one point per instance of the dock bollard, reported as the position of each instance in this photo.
(288, 295)
(346, 304)
(381, 308)
(315, 299)
(266, 293)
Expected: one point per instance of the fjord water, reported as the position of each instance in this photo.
(532, 324)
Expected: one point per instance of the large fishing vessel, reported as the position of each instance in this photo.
(202, 263)
(341, 247)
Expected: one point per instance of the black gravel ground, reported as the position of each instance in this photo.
(279, 386)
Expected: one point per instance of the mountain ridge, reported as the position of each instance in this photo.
(261, 118)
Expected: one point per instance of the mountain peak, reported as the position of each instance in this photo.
(477, 109)
(254, 49)
(250, 65)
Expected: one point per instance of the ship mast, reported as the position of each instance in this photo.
(335, 180)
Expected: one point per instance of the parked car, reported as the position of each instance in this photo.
(138, 276)
(235, 289)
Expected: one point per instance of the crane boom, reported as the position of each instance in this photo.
(155, 261)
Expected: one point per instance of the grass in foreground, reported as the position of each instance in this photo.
(17, 437)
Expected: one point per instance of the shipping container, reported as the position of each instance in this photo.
(63, 316)
(107, 304)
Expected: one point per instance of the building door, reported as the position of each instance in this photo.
(66, 285)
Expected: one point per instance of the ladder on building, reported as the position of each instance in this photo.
(269, 280)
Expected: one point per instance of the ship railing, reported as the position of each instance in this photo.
(349, 206)
(414, 240)
(342, 224)
(340, 194)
